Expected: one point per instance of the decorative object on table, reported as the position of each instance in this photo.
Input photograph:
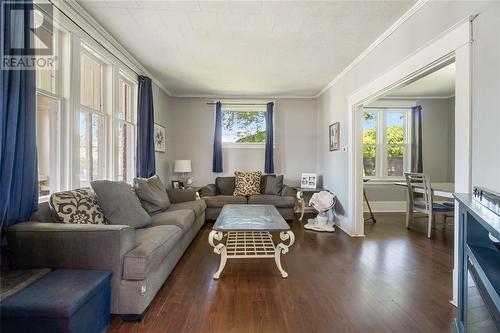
(308, 180)
(247, 183)
(324, 203)
(189, 182)
(177, 184)
(334, 136)
(183, 167)
(160, 138)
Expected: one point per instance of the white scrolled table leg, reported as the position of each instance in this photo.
(282, 248)
(218, 249)
(302, 203)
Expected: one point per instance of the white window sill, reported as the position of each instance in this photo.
(44, 198)
(232, 145)
(373, 181)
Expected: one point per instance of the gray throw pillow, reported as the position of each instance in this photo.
(120, 204)
(225, 185)
(273, 185)
(152, 194)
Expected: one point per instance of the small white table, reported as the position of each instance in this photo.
(444, 190)
(247, 229)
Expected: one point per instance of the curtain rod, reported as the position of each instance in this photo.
(213, 103)
(389, 107)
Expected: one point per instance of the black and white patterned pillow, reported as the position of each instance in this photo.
(78, 206)
(247, 183)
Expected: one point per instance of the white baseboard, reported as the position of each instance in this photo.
(386, 206)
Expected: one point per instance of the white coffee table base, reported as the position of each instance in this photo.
(249, 244)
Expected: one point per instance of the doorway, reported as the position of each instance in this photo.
(453, 45)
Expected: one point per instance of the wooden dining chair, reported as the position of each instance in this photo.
(425, 204)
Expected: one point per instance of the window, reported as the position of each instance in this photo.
(86, 115)
(92, 120)
(244, 125)
(48, 124)
(126, 130)
(385, 143)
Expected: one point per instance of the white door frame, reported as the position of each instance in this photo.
(455, 43)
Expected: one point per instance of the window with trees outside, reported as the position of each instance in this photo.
(244, 125)
(48, 124)
(386, 152)
(126, 129)
(92, 120)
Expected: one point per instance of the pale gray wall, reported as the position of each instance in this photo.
(295, 140)
(435, 134)
(451, 139)
(433, 19)
(163, 116)
(437, 149)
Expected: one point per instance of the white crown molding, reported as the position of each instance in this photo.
(96, 31)
(418, 97)
(406, 16)
(246, 98)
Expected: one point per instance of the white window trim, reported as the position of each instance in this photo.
(72, 41)
(381, 147)
(120, 74)
(247, 108)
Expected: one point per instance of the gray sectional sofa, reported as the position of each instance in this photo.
(273, 192)
(141, 259)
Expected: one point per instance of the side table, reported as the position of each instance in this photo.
(304, 194)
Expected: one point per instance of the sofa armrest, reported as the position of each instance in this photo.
(288, 191)
(208, 191)
(181, 195)
(79, 246)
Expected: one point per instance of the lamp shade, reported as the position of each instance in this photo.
(182, 166)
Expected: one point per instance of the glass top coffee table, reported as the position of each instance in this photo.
(247, 232)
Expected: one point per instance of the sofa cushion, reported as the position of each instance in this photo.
(275, 200)
(120, 204)
(198, 206)
(219, 201)
(247, 182)
(153, 245)
(183, 218)
(77, 206)
(272, 185)
(152, 194)
(225, 185)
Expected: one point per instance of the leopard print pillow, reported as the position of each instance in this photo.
(78, 206)
(247, 183)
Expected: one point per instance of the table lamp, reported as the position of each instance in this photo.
(182, 166)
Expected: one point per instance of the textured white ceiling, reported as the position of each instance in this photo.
(245, 48)
(438, 84)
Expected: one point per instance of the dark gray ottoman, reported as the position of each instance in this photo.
(62, 301)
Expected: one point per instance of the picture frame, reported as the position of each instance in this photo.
(334, 136)
(177, 184)
(308, 180)
(160, 138)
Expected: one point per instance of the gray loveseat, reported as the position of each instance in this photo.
(273, 192)
(140, 259)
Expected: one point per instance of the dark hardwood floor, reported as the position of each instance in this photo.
(394, 280)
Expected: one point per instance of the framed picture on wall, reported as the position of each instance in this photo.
(308, 180)
(160, 138)
(334, 136)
